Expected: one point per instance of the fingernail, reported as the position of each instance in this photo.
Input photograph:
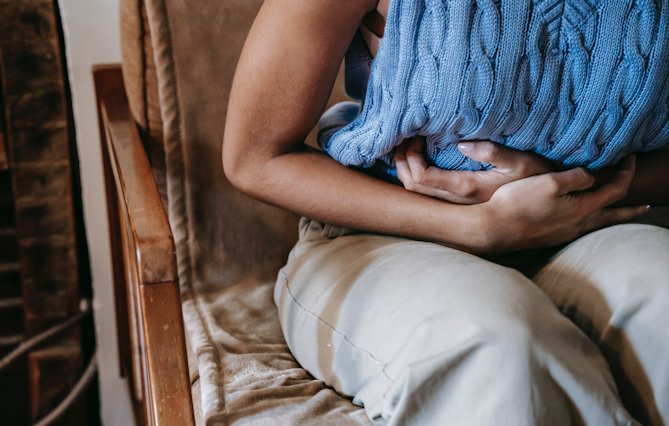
(466, 146)
(647, 207)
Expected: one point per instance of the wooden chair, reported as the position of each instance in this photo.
(195, 260)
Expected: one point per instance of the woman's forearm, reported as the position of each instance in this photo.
(311, 184)
(651, 180)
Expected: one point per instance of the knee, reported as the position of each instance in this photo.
(612, 274)
(510, 328)
(622, 253)
(502, 347)
(514, 317)
(616, 257)
(514, 338)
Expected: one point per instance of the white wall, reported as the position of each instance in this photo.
(92, 37)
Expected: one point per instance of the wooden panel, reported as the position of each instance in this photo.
(170, 401)
(6, 202)
(53, 372)
(143, 251)
(4, 161)
(132, 293)
(36, 138)
(38, 142)
(9, 249)
(146, 213)
(134, 181)
(11, 315)
(108, 84)
(10, 281)
(49, 287)
(14, 406)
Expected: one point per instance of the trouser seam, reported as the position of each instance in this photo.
(331, 327)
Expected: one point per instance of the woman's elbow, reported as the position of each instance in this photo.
(252, 167)
(237, 166)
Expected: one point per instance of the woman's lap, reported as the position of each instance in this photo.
(614, 285)
(377, 316)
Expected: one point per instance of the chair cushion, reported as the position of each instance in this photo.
(229, 246)
(261, 381)
(139, 74)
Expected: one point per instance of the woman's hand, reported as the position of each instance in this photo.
(552, 208)
(465, 187)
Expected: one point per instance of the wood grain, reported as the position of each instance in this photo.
(144, 259)
(38, 141)
(38, 237)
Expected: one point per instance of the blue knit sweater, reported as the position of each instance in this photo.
(581, 82)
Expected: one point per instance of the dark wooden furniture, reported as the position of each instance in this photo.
(151, 333)
(42, 275)
(4, 163)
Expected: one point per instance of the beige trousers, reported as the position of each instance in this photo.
(422, 334)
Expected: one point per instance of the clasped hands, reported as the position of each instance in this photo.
(466, 187)
(538, 205)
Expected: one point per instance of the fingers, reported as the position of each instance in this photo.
(612, 216)
(459, 182)
(462, 187)
(411, 169)
(517, 164)
(572, 180)
(486, 152)
(416, 159)
(402, 168)
(523, 164)
(458, 187)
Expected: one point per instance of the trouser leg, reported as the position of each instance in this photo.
(423, 334)
(614, 284)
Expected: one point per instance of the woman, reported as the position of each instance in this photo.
(387, 296)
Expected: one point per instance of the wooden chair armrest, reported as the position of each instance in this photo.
(141, 199)
(145, 275)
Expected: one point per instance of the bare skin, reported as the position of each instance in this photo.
(649, 185)
(465, 187)
(285, 75)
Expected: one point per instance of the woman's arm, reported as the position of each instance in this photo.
(651, 181)
(283, 80)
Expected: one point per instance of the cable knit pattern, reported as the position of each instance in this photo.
(581, 82)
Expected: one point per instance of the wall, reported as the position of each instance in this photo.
(92, 37)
